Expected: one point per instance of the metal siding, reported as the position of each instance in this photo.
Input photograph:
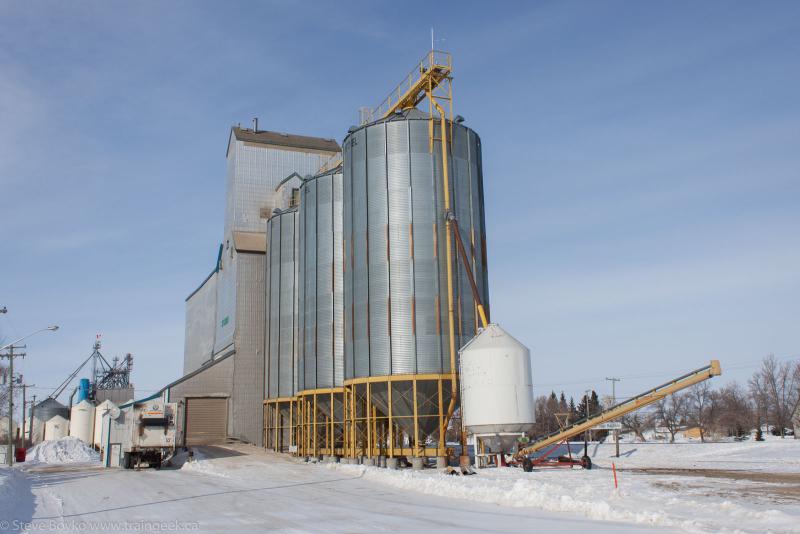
(338, 281)
(324, 323)
(247, 396)
(273, 299)
(253, 174)
(302, 313)
(310, 287)
(226, 298)
(347, 266)
(360, 266)
(426, 269)
(377, 223)
(400, 266)
(288, 321)
(296, 304)
(201, 316)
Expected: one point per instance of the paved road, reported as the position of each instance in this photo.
(259, 491)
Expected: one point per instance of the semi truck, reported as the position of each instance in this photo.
(144, 432)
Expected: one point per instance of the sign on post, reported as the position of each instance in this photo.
(611, 425)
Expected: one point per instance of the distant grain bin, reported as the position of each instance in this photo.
(395, 280)
(281, 339)
(99, 412)
(497, 388)
(43, 412)
(56, 428)
(48, 408)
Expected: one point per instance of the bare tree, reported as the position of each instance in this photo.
(734, 414)
(700, 407)
(671, 413)
(637, 422)
(775, 389)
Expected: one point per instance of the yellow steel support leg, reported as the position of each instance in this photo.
(391, 434)
(316, 451)
(369, 426)
(415, 442)
(442, 422)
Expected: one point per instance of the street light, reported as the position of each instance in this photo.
(10, 356)
(52, 328)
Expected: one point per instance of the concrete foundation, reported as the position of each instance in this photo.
(391, 463)
(381, 461)
(441, 462)
(330, 459)
(417, 463)
(365, 460)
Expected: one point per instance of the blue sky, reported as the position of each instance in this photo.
(641, 165)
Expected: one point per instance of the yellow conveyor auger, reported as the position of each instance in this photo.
(635, 403)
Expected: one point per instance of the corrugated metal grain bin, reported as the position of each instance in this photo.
(281, 309)
(321, 288)
(395, 290)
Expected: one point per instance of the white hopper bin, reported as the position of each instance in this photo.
(496, 388)
(56, 427)
(81, 423)
(99, 411)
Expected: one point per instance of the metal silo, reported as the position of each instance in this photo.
(321, 348)
(399, 370)
(281, 329)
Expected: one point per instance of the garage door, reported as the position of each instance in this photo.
(206, 420)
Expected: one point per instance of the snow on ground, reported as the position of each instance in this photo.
(62, 451)
(592, 494)
(16, 500)
(773, 455)
(242, 488)
(267, 492)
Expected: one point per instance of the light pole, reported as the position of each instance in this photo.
(614, 403)
(11, 346)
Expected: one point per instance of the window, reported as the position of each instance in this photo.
(294, 200)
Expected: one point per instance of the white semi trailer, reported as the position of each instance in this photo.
(141, 432)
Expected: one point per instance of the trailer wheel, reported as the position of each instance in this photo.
(126, 461)
(586, 462)
(527, 465)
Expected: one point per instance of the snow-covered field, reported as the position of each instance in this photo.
(246, 489)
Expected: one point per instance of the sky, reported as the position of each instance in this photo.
(641, 168)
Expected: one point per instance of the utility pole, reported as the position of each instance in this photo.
(10, 355)
(30, 431)
(614, 381)
(24, 404)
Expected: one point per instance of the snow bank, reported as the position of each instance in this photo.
(66, 450)
(591, 494)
